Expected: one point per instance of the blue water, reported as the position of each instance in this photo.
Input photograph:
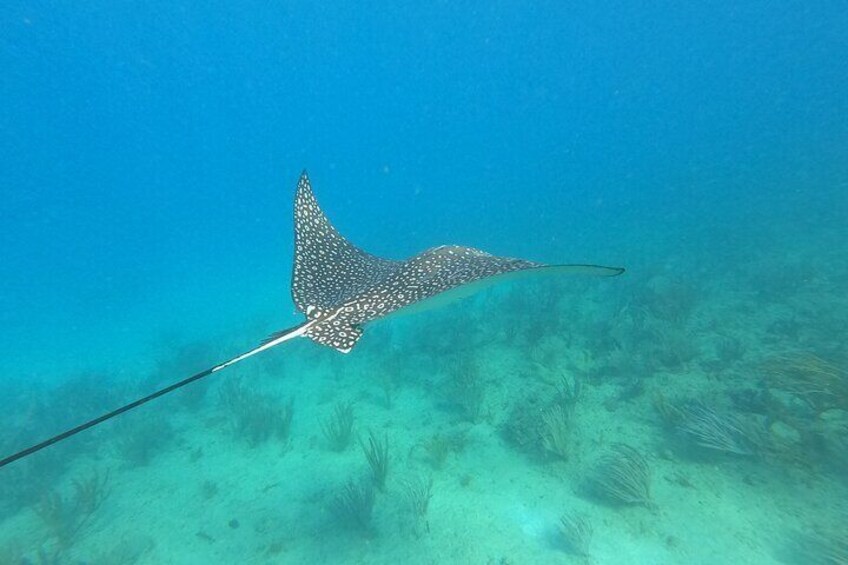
(149, 155)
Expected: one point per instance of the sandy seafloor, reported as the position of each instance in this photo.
(206, 495)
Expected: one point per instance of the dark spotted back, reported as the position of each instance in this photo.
(341, 287)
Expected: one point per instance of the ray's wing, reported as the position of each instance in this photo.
(449, 269)
(328, 270)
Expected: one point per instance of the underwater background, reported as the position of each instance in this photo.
(693, 410)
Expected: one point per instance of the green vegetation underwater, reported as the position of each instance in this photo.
(693, 409)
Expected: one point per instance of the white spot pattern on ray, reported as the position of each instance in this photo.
(341, 287)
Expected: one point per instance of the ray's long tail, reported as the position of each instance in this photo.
(275, 340)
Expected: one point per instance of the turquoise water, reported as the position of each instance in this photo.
(693, 410)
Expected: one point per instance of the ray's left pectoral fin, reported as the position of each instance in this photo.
(340, 337)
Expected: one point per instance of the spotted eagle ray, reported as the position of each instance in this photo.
(340, 288)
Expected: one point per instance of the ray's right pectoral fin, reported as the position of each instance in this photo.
(340, 337)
